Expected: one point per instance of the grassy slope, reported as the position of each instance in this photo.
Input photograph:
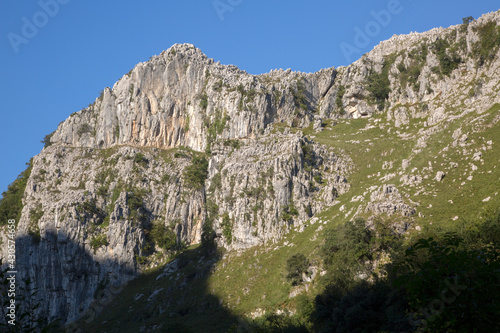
(255, 279)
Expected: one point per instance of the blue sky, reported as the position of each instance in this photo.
(57, 55)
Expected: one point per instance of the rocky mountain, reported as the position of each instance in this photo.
(182, 142)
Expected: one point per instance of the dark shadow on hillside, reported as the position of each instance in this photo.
(67, 281)
(175, 298)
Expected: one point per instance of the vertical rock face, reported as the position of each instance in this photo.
(125, 164)
(172, 99)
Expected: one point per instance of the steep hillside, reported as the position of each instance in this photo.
(183, 149)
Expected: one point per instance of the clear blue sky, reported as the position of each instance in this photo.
(86, 45)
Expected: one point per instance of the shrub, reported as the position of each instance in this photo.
(299, 95)
(338, 99)
(288, 211)
(227, 228)
(218, 86)
(235, 143)
(163, 237)
(46, 140)
(35, 215)
(98, 241)
(346, 249)
(461, 281)
(196, 173)
(379, 84)
(84, 128)
(140, 159)
(135, 202)
(489, 41)
(11, 203)
(318, 179)
(204, 102)
(208, 233)
(296, 265)
(447, 62)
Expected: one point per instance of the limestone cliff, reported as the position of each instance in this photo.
(122, 165)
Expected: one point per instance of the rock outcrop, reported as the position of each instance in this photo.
(124, 164)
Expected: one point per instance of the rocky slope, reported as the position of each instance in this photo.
(134, 159)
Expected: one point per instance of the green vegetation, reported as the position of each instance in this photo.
(411, 74)
(140, 159)
(338, 100)
(208, 233)
(11, 203)
(379, 84)
(347, 248)
(89, 210)
(196, 173)
(227, 228)
(135, 202)
(235, 143)
(448, 60)
(489, 41)
(84, 128)
(163, 236)
(35, 215)
(215, 127)
(288, 212)
(204, 102)
(299, 96)
(46, 140)
(131, 93)
(296, 265)
(218, 86)
(98, 241)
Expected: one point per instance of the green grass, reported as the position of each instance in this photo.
(256, 278)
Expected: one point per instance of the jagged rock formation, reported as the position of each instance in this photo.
(124, 164)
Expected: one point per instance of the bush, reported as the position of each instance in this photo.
(98, 241)
(11, 203)
(379, 84)
(135, 202)
(196, 173)
(288, 211)
(447, 62)
(204, 102)
(346, 250)
(163, 237)
(296, 265)
(218, 86)
(46, 140)
(84, 128)
(35, 215)
(299, 95)
(140, 159)
(227, 228)
(489, 41)
(451, 287)
(338, 99)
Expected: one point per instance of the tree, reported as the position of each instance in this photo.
(46, 140)
(296, 265)
(467, 20)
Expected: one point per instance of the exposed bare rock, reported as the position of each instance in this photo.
(439, 176)
(387, 200)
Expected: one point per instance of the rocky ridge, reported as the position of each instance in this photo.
(120, 166)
